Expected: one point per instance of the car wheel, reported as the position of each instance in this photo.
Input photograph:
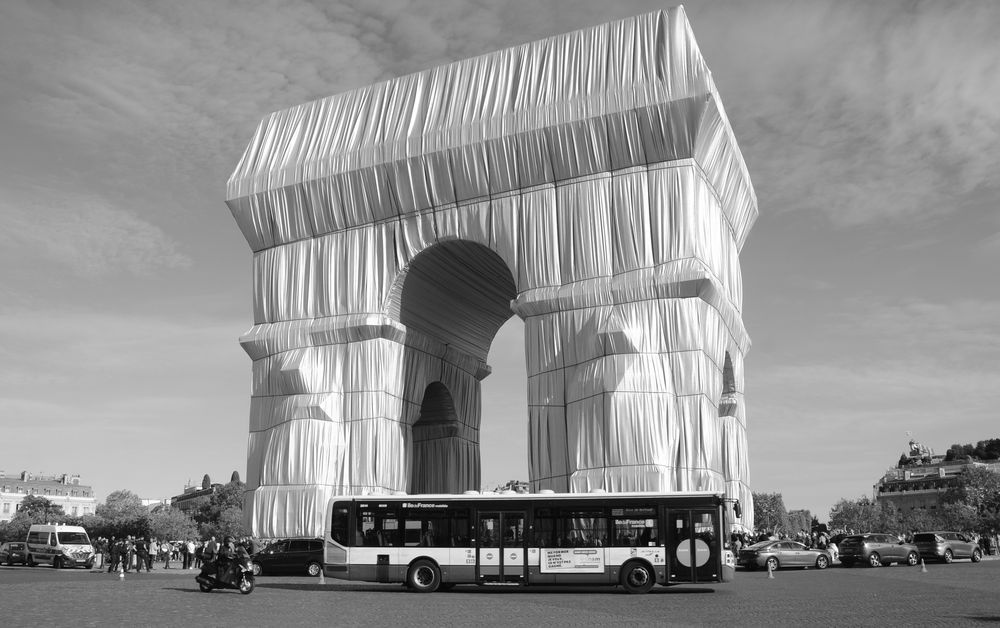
(772, 563)
(31, 560)
(822, 562)
(638, 577)
(257, 569)
(423, 577)
(912, 559)
(57, 563)
(948, 556)
(977, 555)
(875, 560)
(314, 568)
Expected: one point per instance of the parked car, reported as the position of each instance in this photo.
(777, 554)
(290, 557)
(947, 546)
(13, 552)
(877, 550)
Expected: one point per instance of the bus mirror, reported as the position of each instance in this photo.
(737, 509)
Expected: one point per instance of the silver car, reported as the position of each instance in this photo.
(947, 546)
(776, 554)
(876, 550)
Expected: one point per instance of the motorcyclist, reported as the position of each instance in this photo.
(224, 559)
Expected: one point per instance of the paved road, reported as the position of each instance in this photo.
(946, 595)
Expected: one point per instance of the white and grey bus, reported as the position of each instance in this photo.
(432, 542)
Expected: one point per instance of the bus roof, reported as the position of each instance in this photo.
(511, 495)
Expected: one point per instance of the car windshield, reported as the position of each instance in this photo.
(74, 538)
(925, 537)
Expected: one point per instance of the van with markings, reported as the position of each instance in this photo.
(59, 546)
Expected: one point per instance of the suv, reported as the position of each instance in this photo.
(946, 546)
(13, 552)
(290, 556)
(877, 550)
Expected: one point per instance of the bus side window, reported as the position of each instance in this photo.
(338, 525)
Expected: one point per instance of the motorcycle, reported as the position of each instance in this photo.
(237, 575)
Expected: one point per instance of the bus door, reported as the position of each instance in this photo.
(693, 544)
(501, 551)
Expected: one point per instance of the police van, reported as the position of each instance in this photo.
(59, 546)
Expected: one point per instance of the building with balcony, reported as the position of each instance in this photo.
(921, 478)
(61, 490)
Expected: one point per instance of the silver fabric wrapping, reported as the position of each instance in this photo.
(590, 184)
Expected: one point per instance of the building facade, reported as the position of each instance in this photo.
(921, 478)
(61, 490)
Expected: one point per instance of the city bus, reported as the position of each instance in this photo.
(432, 542)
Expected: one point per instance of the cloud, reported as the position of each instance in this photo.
(89, 238)
(861, 112)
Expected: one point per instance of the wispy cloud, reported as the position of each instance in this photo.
(865, 112)
(88, 238)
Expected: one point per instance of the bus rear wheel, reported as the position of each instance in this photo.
(637, 577)
(423, 577)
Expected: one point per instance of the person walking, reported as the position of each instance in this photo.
(141, 554)
(113, 554)
(166, 548)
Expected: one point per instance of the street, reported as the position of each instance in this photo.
(958, 594)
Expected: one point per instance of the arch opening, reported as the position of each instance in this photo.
(458, 293)
(453, 299)
(727, 403)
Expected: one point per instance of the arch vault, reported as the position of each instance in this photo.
(588, 183)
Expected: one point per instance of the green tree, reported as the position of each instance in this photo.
(769, 513)
(206, 482)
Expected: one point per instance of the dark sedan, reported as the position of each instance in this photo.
(13, 552)
(776, 554)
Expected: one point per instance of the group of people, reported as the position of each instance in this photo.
(132, 553)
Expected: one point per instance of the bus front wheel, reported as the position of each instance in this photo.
(423, 577)
(638, 577)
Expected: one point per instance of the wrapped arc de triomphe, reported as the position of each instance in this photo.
(590, 184)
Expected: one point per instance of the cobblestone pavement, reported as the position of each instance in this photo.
(960, 594)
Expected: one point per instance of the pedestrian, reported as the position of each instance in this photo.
(141, 555)
(166, 548)
(113, 557)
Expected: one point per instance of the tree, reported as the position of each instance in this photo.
(122, 513)
(206, 482)
(172, 524)
(235, 477)
(769, 513)
(40, 510)
(228, 522)
(799, 520)
(974, 501)
(223, 513)
(859, 515)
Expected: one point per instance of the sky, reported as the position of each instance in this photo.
(871, 132)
